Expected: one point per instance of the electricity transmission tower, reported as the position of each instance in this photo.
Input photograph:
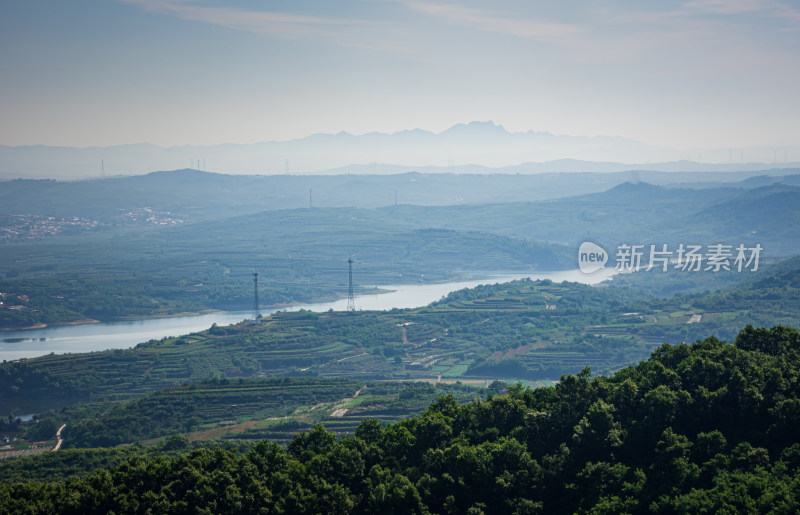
(351, 301)
(256, 312)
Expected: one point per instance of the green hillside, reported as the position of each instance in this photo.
(252, 409)
(162, 265)
(530, 330)
(706, 427)
(301, 256)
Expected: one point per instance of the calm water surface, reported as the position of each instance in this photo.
(125, 334)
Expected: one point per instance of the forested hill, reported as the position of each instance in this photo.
(148, 248)
(706, 427)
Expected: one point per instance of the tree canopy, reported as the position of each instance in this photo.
(701, 427)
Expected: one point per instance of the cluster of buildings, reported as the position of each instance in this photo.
(147, 216)
(8, 301)
(34, 227)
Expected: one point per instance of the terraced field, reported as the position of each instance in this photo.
(529, 330)
(252, 409)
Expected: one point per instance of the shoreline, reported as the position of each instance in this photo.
(372, 290)
(364, 291)
(171, 315)
(85, 321)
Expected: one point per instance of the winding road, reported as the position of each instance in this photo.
(60, 440)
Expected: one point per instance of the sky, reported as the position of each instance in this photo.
(704, 73)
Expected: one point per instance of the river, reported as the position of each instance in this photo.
(125, 334)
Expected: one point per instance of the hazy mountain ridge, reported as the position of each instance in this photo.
(611, 209)
(196, 195)
(769, 215)
(470, 147)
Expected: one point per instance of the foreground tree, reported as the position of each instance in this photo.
(703, 427)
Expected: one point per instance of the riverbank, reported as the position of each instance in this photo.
(208, 311)
(123, 334)
(54, 324)
(170, 315)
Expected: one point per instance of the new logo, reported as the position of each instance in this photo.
(591, 257)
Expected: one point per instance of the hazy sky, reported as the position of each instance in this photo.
(706, 73)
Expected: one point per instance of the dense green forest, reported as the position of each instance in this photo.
(71, 463)
(708, 426)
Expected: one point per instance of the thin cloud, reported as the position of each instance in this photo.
(701, 32)
(771, 8)
(493, 22)
(339, 31)
(729, 6)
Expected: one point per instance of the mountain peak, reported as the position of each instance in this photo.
(476, 127)
(638, 189)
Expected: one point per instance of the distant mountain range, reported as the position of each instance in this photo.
(475, 147)
(195, 195)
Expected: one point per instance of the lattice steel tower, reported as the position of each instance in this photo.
(351, 300)
(256, 312)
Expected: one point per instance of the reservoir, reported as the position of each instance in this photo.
(127, 333)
